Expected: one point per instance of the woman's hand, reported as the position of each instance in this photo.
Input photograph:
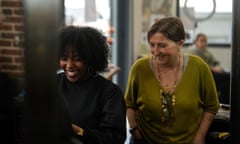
(77, 130)
(206, 121)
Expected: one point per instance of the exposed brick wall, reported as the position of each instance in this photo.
(11, 37)
(11, 62)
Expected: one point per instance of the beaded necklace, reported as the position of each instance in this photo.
(167, 96)
(169, 88)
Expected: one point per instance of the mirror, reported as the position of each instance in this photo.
(95, 13)
(212, 17)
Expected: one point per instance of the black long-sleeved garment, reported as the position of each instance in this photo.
(96, 105)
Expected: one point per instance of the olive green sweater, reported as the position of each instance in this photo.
(195, 93)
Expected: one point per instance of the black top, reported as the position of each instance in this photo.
(97, 105)
(222, 81)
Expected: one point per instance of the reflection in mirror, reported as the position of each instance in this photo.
(212, 17)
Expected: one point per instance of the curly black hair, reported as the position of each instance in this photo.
(90, 44)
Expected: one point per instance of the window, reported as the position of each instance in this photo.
(95, 13)
(212, 17)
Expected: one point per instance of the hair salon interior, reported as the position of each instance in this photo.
(28, 50)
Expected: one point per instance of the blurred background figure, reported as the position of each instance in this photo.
(199, 48)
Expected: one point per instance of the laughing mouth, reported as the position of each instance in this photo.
(71, 73)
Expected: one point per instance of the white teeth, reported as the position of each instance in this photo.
(72, 73)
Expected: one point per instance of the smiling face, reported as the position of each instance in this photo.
(164, 49)
(74, 68)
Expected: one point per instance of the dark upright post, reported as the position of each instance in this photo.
(235, 75)
(42, 20)
(120, 19)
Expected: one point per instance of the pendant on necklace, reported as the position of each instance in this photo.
(168, 101)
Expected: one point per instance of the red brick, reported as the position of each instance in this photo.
(12, 56)
(18, 12)
(11, 52)
(19, 60)
(5, 27)
(7, 35)
(19, 27)
(5, 43)
(7, 11)
(6, 3)
(5, 59)
(14, 19)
